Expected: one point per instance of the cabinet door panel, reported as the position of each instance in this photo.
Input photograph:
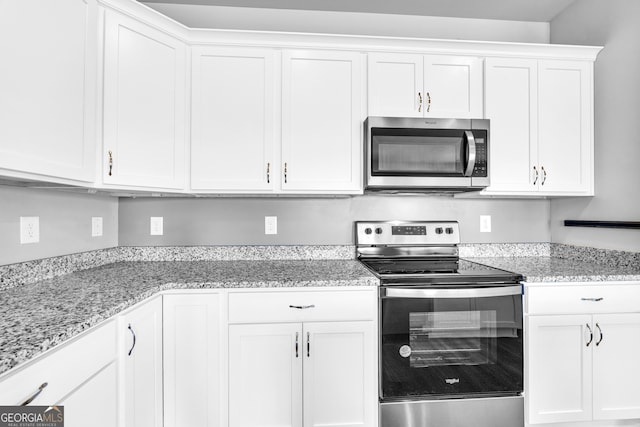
(47, 87)
(144, 105)
(510, 102)
(565, 149)
(232, 119)
(191, 360)
(265, 375)
(616, 372)
(395, 85)
(558, 368)
(340, 374)
(452, 86)
(321, 121)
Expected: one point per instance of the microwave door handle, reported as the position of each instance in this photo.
(471, 152)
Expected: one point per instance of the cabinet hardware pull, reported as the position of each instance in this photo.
(308, 344)
(601, 335)
(297, 344)
(428, 102)
(268, 172)
(544, 175)
(285, 173)
(302, 307)
(536, 178)
(590, 335)
(134, 339)
(110, 162)
(29, 400)
(592, 299)
(419, 102)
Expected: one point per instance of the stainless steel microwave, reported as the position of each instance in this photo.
(426, 155)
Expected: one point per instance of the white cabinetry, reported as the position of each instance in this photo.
(144, 105)
(321, 122)
(80, 374)
(413, 85)
(48, 89)
(581, 353)
(305, 359)
(140, 352)
(541, 126)
(233, 112)
(193, 394)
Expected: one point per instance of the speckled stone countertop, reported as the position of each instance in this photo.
(35, 317)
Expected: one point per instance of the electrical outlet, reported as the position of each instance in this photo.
(156, 225)
(485, 223)
(270, 225)
(96, 226)
(29, 229)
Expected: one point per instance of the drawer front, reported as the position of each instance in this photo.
(582, 299)
(63, 369)
(302, 306)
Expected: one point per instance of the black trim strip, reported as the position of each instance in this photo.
(602, 224)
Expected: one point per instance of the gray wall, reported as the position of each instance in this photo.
(65, 223)
(316, 221)
(613, 24)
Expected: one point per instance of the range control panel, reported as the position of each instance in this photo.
(407, 233)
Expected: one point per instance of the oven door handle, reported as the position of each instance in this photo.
(485, 292)
(471, 152)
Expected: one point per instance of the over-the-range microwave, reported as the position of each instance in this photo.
(426, 155)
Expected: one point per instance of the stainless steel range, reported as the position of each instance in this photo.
(451, 350)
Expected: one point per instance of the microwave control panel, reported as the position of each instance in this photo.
(480, 168)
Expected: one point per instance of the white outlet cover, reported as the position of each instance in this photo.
(270, 225)
(96, 226)
(485, 223)
(29, 229)
(156, 225)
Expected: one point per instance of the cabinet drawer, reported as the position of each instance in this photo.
(63, 369)
(302, 306)
(577, 299)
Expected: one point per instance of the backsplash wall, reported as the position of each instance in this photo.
(321, 221)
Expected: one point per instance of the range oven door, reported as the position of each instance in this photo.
(445, 343)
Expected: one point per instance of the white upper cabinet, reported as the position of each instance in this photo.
(541, 117)
(144, 105)
(48, 89)
(413, 85)
(321, 122)
(233, 118)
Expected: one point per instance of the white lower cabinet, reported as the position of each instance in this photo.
(192, 367)
(314, 367)
(581, 367)
(140, 353)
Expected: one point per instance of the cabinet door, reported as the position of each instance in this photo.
(321, 122)
(558, 370)
(144, 105)
(340, 371)
(565, 127)
(616, 371)
(395, 85)
(93, 403)
(265, 375)
(233, 120)
(47, 87)
(192, 372)
(452, 86)
(141, 365)
(511, 99)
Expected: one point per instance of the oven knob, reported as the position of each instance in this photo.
(439, 230)
(367, 230)
(378, 230)
(449, 230)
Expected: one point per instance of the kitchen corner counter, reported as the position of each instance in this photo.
(556, 269)
(35, 317)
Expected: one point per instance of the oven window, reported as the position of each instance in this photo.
(452, 338)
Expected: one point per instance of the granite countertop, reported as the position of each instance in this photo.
(555, 269)
(35, 317)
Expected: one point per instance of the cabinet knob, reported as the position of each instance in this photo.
(110, 162)
(285, 173)
(34, 395)
(419, 102)
(535, 180)
(590, 335)
(134, 339)
(544, 175)
(268, 172)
